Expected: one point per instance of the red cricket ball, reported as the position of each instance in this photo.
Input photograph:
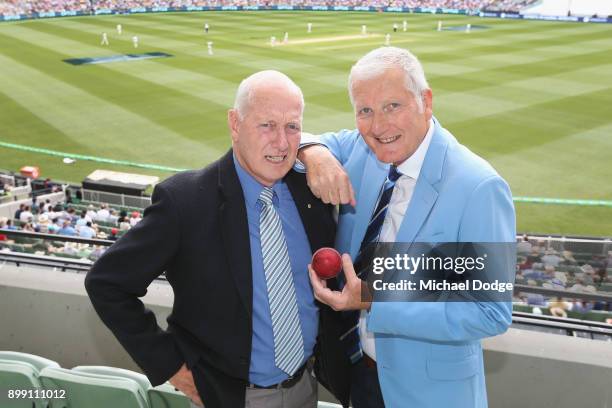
(327, 263)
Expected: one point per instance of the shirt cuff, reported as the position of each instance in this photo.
(306, 141)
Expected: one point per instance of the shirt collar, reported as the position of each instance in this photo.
(252, 188)
(411, 167)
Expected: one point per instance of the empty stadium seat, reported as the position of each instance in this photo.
(165, 396)
(19, 375)
(140, 379)
(91, 390)
(37, 361)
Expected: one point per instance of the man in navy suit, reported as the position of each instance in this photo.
(237, 286)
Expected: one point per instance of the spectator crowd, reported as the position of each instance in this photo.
(540, 264)
(21, 7)
(73, 220)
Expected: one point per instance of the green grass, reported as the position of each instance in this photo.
(533, 98)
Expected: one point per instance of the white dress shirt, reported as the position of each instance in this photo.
(400, 199)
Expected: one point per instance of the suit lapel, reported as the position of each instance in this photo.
(373, 178)
(423, 200)
(235, 230)
(425, 192)
(320, 231)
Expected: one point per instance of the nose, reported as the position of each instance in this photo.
(280, 140)
(379, 123)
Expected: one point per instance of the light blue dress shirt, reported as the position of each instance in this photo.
(262, 370)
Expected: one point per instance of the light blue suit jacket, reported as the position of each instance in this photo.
(429, 353)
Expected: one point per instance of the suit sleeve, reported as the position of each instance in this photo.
(488, 217)
(340, 144)
(121, 276)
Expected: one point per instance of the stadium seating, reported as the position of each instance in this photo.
(140, 379)
(38, 362)
(19, 375)
(87, 386)
(92, 390)
(83, 385)
(165, 396)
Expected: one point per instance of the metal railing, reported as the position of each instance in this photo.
(569, 327)
(64, 264)
(588, 296)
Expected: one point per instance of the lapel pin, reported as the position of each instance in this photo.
(309, 205)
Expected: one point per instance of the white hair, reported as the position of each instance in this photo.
(378, 61)
(244, 95)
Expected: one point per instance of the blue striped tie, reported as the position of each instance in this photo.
(350, 338)
(288, 342)
(372, 234)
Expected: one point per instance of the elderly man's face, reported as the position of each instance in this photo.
(266, 139)
(388, 116)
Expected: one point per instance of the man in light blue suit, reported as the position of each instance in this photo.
(409, 354)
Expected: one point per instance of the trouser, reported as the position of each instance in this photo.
(365, 388)
(303, 394)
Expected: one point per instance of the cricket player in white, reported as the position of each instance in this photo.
(309, 28)
(206, 27)
(395, 27)
(286, 38)
(210, 50)
(273, 41)
(468, 28)
(119, 29)
(387, 39)
(104, 39)
(135, 41)
(439, 25)
(405, 25)
(364, 30)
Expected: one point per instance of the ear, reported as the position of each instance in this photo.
(428, 103)
(233, 122)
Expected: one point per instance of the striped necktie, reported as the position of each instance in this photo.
(350, 336)
(372, 234)
(288, 342)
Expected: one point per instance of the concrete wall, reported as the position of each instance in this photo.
(532, 369)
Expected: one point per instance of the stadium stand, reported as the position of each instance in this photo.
(568, 266)
(588, 8)
(51, 208)
(76, 229)
(81, 230)
(508, 6)
(17, 7)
